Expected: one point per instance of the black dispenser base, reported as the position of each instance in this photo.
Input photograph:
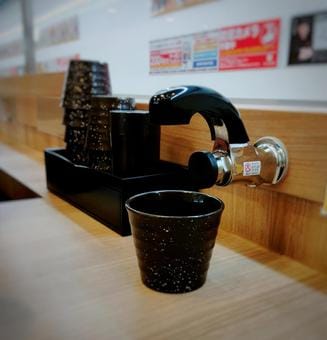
(103, 195)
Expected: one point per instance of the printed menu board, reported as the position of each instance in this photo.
(166, 55)
(253, 45)
(61, 32)
(192, 52)
(11, 49)
(246, 46)
(205, 51)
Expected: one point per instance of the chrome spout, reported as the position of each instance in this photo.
(265, 162)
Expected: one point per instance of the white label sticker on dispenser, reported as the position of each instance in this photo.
(251, 168)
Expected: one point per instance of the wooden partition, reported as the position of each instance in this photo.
(30, 112)
(285, 218)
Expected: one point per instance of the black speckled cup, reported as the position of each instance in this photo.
(174, 234)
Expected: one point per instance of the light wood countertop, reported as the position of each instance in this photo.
(64, 275)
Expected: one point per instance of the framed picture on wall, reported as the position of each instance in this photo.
(308, 43)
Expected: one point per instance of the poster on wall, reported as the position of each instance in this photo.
(193, 52)
(159, 7)
(59, 33)
(205, 51)
(308, 43)
(248, 46)
(11, 49)
(167, 55)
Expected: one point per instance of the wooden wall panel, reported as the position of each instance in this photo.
(50, 116)
(7, 108)
(305, 135)
(188, 138)
(14, 133)
(30, 112)
(49, 84)
(283, 223)
(26, 110)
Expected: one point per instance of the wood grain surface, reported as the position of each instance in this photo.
(283, 223)
(64, 275)
(50, 116)
(49, 84)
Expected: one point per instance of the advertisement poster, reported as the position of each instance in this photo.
(308, 43)
(253, 45)
(205, 51)
(167, 55)
(59, 33)
(11, 49)
(194, 52)
(159, 7)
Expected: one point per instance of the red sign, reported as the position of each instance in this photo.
(253, 45)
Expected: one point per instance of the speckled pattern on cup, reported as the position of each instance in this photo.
(174, 234)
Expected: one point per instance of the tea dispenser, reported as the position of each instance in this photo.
(233, 157)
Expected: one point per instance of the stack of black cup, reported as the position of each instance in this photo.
(87, 106)
(84, 79)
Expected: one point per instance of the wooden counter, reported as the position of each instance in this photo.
(63, 275)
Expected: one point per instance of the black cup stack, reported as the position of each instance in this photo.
(84, 80)
(87, 106)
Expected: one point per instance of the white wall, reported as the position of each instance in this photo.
(119, 31)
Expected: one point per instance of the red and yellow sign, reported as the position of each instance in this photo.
(253, 45)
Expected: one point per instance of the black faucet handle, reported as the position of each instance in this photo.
(177, 105)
